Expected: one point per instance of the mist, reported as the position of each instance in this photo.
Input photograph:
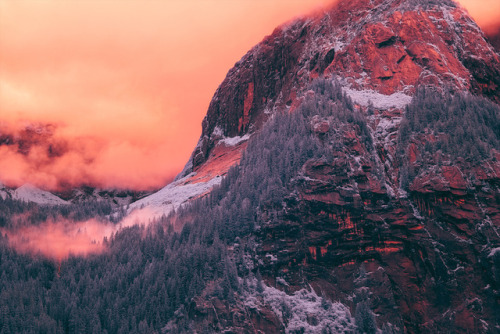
(57, 240)
(125, 87)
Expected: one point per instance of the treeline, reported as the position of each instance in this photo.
(15, 213)
(273, 158)
(148, 276)
(461, 125)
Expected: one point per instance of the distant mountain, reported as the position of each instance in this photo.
(29, 193)
(40, 137)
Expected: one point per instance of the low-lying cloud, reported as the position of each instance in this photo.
(125, 85)
(57, 240)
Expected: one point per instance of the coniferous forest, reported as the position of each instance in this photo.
(147, 276)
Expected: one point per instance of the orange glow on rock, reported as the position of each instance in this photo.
(127, 84)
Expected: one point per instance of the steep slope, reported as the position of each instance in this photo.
(380, 50)
(321, 197)
(403, 221)
(383, 45)
(340, 217)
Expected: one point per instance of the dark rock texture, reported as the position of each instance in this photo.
(383, 45)
(424, 256)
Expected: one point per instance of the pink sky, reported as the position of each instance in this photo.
(127, 83)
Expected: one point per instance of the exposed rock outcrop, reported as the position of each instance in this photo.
(388, 46)
(421, 255)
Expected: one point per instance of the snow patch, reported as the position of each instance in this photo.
(233, 141)
(174, 195)
(379, 101)
(29, 193)
(302, 312)
(338, 45)
(272, 257)
(494, 251)
(280, 280)
(218, 132)
(387, 125)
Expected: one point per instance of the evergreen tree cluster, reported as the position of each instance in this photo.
(464, 125)
(134, 287)
(148, 276)
(273, 157)
(14, 213)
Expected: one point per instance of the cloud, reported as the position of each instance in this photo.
(59, 239)
(125, 85)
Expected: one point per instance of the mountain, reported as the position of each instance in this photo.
(347, 180)
(41, 138)
(399, 214)
(29, 193)
(389, 47)
(380, 51)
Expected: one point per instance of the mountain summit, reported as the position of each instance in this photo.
(383, 46)
(379, 50)
(372, 170)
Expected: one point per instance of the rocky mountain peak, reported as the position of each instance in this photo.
(385, 46)
(396, 208)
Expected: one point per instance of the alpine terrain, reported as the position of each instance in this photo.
(347, 180)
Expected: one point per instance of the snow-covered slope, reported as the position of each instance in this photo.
(174, 195)
(29, 193)
(195, 184)
(378, 100)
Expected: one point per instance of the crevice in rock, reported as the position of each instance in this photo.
(330, 55)
(389, 42)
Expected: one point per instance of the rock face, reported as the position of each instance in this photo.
(426, 256)
(388, 46)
